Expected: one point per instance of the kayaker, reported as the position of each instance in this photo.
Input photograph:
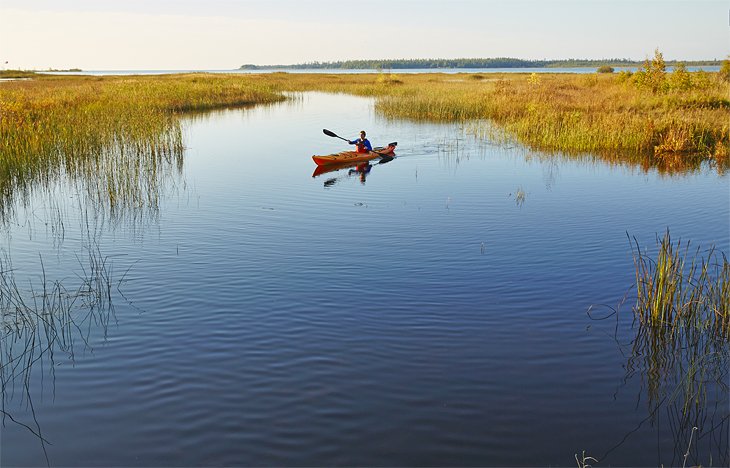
(363, 144)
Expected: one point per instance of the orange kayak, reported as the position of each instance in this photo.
(354, 156)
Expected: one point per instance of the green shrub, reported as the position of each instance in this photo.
(653, 75)
(624, 76)
(680, 79)
(605, 69)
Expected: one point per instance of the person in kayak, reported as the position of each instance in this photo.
(363, 145)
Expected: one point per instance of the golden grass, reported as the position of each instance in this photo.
(116, 135)
(581, 114)
(603, 114)
(117, 130)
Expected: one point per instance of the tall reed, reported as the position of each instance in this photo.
(682, 343)
(680, 290)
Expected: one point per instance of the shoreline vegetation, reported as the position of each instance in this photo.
(121, 126)
(116, 137)
(497, 62)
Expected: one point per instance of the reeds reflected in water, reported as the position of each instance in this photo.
(116, 138)
(680, 350)
(45, 321)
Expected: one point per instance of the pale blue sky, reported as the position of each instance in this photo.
(223, 34)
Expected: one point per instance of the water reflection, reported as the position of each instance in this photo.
(45, 321)
(122, 184)
(359, 170)
(682, 373)
(664, 164)
(661, 162)
(242, 317)
(520, 196)
(684, 386)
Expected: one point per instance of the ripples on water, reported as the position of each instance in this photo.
(434, 314)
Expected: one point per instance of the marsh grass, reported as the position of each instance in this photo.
(115, 136)
(604, 114)
(683, 290)
(575, 114)
(684, 375)
(682, 343)
(118, 135)
(44, 314)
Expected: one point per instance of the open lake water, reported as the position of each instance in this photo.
(433, 312)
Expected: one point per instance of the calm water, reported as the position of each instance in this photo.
(433, 313)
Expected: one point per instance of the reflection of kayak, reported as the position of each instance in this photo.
(354, 156)
(358, 166)
(325, 168)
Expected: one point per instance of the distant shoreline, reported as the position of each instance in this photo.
(438, 64)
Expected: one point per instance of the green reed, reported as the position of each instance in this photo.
(682, 343)
(683, 290)
(682, 307)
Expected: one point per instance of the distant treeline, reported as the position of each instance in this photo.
(500, 62)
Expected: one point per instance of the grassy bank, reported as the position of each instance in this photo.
(588, 113)
(672, 121)
(114, 135)
(117, 130)
(566, 112)
(618, 115)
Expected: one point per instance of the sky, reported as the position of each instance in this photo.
(224, 34)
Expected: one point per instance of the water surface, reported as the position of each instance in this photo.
(432, 313)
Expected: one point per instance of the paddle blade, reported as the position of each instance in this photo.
(329, 133)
